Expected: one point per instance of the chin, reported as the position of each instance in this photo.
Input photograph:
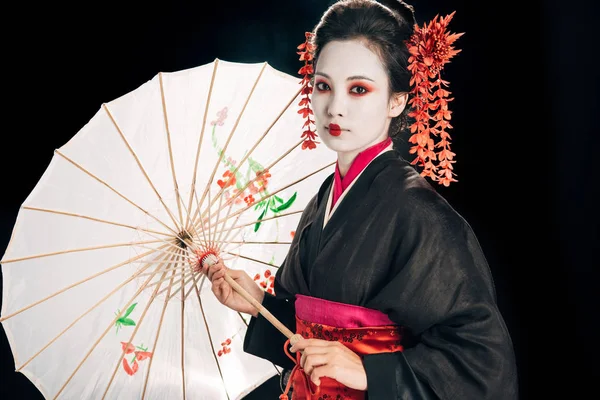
(339, 145)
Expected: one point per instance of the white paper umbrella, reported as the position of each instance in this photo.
(100, 299)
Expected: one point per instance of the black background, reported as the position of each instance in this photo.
(524, 117)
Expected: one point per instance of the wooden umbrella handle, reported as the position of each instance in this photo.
(211, 260)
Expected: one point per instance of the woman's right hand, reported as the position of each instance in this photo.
(226, 294)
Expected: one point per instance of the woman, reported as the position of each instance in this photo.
(384, 280)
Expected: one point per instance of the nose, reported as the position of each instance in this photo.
(337, 105)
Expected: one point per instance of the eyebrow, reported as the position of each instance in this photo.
(350, 78)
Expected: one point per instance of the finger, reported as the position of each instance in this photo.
(304, 343)
(322, 371)
(311, 351)
(313, 361)
(214, 269)
(220, 274)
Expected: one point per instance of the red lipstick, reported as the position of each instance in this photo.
(335, 130)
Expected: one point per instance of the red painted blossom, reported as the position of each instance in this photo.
(130, 369)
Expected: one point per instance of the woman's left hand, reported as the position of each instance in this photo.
(324, 358)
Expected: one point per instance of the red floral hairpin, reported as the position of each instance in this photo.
(431, 47)
(306, 54)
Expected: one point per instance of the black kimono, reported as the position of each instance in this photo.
(395, 245)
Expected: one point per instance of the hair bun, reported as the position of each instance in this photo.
(406, 11)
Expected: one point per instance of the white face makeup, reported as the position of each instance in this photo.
(351, 90)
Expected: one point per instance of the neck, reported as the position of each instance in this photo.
(345, 159)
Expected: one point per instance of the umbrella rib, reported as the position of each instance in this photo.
(162, 315)
(251, 259)
(132, 277)
(232, 199)
(230, 228)
(193, 185)
(201, 222)
(238, 227)
(137, 160)
(77, 284)
(135, 330)
(114, 190)
(192, 287)
(187, 275)
(214, 237)
(100, 247)
(141, 288)
(212, 347)
(160, 281)
(283, 188)
(212, 176)
(94, 219)
(253, 242)
(165, 115)
(220, 193)
(182, 337)
(245, 323)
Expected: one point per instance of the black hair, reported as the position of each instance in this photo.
(385, 26)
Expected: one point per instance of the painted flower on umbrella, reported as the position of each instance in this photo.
(268, 281)
(248, 188)
(431, 47)
(140, 353)
(225, 348)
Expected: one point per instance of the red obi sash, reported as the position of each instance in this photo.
(362, 330)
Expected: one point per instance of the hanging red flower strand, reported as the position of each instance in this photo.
(306, 54)
(431, 47)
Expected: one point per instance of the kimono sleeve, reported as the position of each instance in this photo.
(442, 290)
(263, 339)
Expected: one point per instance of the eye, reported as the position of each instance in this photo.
(359, 90)
(322, 86)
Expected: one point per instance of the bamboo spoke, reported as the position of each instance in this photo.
(224, 150)
(237, 228)
(132, 277)
(212, 346)
(214, 237)
(130, 341)
(201, 222)
(252, 259)
(181, 271)
(137, 293)
(162, 315)
(187, 275)
(165, 115)
(279, 190)
(232, 199)
(249, 242)
(247, 155)
(115, 191)
(193, 185)
(135, 228)
(192, 287)
(137, 160)
(106, 246)
(182, 336)
(77, 284)
(230, 228)
(166, 251)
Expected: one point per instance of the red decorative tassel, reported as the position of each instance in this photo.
(306, 54)
(431, 47)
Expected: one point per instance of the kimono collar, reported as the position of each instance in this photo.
(360, 162)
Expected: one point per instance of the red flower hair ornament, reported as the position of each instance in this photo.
(431, 47)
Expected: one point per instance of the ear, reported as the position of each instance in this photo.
(397, 104)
